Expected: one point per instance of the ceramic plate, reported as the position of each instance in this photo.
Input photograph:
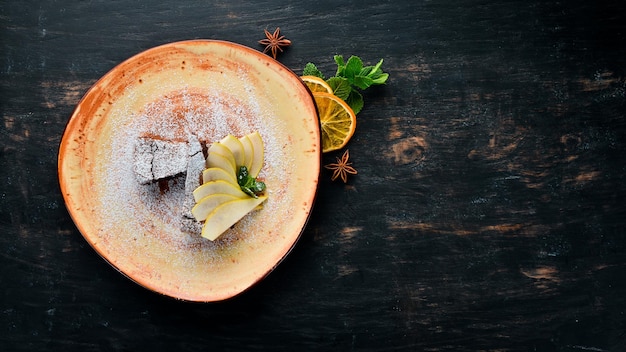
(181, 92)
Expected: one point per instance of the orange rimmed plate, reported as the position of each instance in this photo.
(204, 90)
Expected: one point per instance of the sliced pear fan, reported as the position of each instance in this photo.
(220, 202)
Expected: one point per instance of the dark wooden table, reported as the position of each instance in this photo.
(488, 212)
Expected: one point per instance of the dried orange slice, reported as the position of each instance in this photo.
(337, 121)
(316, 84)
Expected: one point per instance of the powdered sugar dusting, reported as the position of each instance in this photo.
(148, 212)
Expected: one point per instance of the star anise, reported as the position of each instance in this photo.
(274, 42)
(342, 168)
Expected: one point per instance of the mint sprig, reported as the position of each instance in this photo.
(311, 70)
(351, 78)
(250, 185)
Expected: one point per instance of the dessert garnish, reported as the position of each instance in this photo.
(338, 123)
(350, 78)
(230, 188)
(274, 42)
(342, 168)
(338, 120)
(249, 184)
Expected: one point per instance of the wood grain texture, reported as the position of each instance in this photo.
(487, 214)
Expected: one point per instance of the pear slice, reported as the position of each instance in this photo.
(223, 150)
(219, 186)
(231, 142)
(257, 153)
(216, 174)
(205, 206)
(227, 214)
(215, 160)
(247, 151)
(220, 148)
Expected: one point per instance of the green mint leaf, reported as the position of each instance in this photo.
(341, 65)
(376, 69)
(381, 79)
(366, 71)
(339, 60)
(341, 87)
(375, 73)
(311, 70)
(353, 67)
(355, 100)
(362, 82)
(249, 184)
(242, 176)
